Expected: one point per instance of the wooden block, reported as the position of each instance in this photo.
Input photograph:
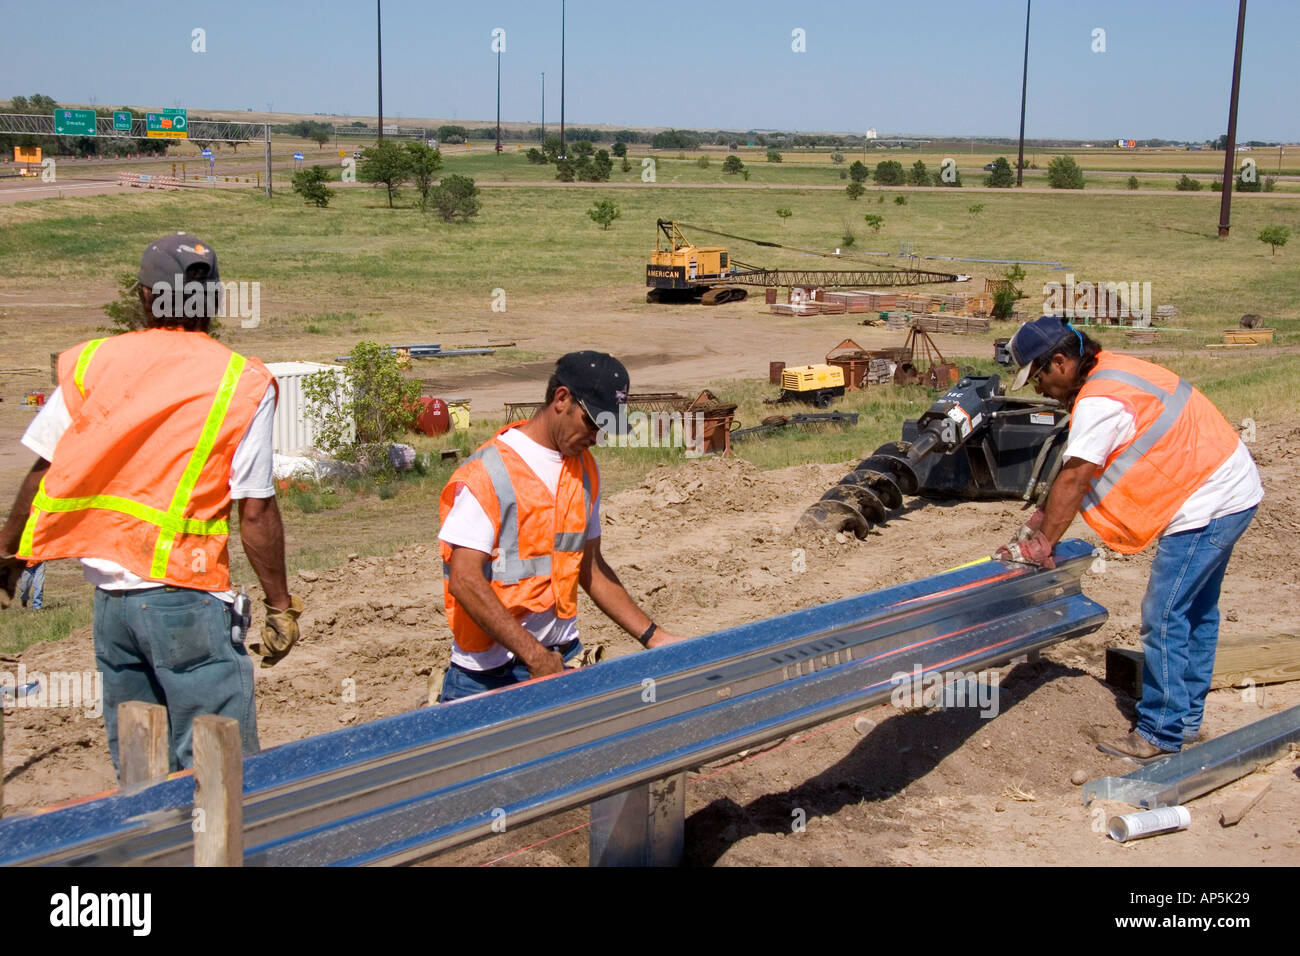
(218, 792)
(142, 744)
(1272, 661)
(1232, 810)
(1124, 670)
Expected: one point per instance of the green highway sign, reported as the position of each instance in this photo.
(74, 122)
(168, 124)
(122, 120)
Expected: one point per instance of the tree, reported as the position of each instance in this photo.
(535, 156)
(1187, 184)
(1064, 173)
(582, 148)
(310, 185)
(918, 176)
(620, 149)
(1275, 236)
(837, 158)
(456, 196)
(320, 134)
(1132, 182)
(625, 165)
(702, 162)
(602, 166)
(564, 171)
(785, 213)
(855, 190)
(859, 172)
(385, 164)
(732, 165)
(874, 221)
(773, 156)
(976, 208)
(452, 134)
(890, 173)
(356, 419)
(603, 212)
(424, 162)
(551, 148)
(1001, 176)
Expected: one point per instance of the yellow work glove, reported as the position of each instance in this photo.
(279, 633)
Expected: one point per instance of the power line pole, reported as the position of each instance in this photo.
(498, 101)
(1230, 147)
(379, 60)
(564, 153)
(1024, 86)
(543, 137)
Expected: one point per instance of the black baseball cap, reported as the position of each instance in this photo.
(176, 254)
(599, 382)
(1033, 340)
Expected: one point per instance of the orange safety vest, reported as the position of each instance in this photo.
(142, 475)
(1180, 440)
(540, 538)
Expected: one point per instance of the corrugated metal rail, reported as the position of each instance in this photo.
(402, 788)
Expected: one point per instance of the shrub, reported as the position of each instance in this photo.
(1001, 176)
(1275, 236)
(1064, 173)
(900, 200)
(603, 212)
(874, 221)
(855, 190)
(1132, 182)
(773, 156)
(456, 196)
(1187, 184)
(890, 173)
(310, 185)
(732, 165)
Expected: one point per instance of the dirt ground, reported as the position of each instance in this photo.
(707, 545)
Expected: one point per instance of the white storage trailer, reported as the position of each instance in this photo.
(293, 433)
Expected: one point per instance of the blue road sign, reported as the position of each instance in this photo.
(207, 153)
(298, 157)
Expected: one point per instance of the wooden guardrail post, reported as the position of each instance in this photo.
(142, 744)
(218, 792)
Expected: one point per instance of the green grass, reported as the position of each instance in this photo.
(61, 615)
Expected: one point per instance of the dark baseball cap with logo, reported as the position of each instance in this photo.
(599, 382)
(1034, 340)
(174, 254)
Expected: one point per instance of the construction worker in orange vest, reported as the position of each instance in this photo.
(1149, 458)
(142, 447)
(521, 531)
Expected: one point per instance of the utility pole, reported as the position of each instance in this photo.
(379, 60)
(1230, 147)
(498, 101)
(544, 113)
(1024, 86)
(564, 153)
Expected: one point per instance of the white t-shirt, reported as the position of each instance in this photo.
(1099, 425)
(250, 477)
(468, 526)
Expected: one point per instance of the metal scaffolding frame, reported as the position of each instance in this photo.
(618, 736)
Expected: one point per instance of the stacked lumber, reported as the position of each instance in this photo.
(879, 372)
(827, 307)
(954, 324)
(798, 308)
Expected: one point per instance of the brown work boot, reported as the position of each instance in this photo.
(1135, 747)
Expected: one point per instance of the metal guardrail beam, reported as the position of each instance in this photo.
(404, 787)
(1197, 770)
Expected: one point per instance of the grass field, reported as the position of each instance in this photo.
(361, 270)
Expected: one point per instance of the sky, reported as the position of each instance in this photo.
(1158, 68)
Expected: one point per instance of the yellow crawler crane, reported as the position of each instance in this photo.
(680, 271)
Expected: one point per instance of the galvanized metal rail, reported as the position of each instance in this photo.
(404, 787)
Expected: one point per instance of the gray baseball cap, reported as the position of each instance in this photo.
(176, 254)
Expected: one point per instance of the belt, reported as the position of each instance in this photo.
(508, 666)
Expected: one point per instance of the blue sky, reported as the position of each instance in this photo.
(931, 67)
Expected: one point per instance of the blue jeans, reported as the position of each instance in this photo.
(172, 646)
(31, 586)
(461, 682)
(1180, 628)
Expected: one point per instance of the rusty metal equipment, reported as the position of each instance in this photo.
(974, 442)
(927, 366)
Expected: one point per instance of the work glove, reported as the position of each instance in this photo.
(1030, 527)
(1033, 550)
(279, 633)
(11, 569)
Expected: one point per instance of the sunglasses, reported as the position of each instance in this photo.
(586, 417)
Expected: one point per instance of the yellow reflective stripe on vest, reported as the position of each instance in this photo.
(175, 524)
(199, 458)
(83, 362)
